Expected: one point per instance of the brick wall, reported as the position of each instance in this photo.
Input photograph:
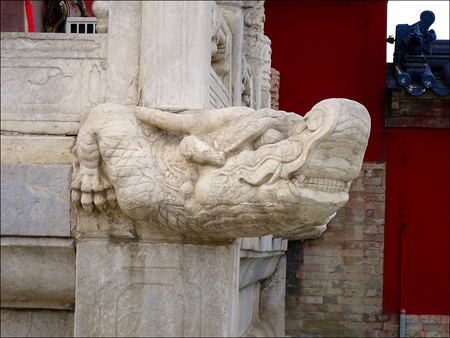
(335, 282)
(427, 326)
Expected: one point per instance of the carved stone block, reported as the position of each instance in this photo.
(57, 74)
(142, 289)
(35, 200)
(36, 323)
(37, 273)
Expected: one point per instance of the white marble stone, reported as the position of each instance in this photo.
(37, 273)
(175, 63)
(35, 200)
(47, 79)
(122, 68)
(204, 175)
(36, 323)
(36, 150)
(272, 299)
(248, 310)
(141, 289)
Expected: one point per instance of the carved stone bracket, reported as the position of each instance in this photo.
(215, 175)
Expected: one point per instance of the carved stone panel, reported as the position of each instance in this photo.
(58, 75)
(161, 290)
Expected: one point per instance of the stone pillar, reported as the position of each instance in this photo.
(124, 43)
(136, 289)
(176, 54)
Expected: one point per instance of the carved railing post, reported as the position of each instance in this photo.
(257, 52)
(101, 12)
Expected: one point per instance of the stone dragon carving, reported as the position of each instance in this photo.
(205, 175)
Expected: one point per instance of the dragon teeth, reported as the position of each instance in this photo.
(321, 184)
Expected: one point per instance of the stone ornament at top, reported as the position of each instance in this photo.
(199, 176)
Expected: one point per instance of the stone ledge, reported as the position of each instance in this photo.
(36, 150)
(37, 273)
(36, 323)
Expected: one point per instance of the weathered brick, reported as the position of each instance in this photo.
(373, 181)
(370, 269)
(352, 284)
(370, 212)
(313, 307)
(294, 323)
(430, 334)
(377, 238)
(349, 300)
(311, 299)
(333, 307)
(354, 292)
(372, 309)
(357, 185)
(335, 226)
(391, 326)
(412, 326)
(363, 277)
(434, 327)
(331, 299)
(361, 260)
(363, 325)
(380, 212)
(314, 291)
(322, 324)
(332, 268)
(353, 253)
(354, 268)
(318, 283)
(311, 267)
(371, 229)
(373, 293)
(333, 316)
(374, 221)
(412, 319)
(375, 189)
(309, 315)
(379, 269)
(374, 253)
(320, 275)
(436, 319)
(364, 245)
(373, 197)
(323, 260)
(353, 317)
(350, 236)
(293, 306)
(333, 251)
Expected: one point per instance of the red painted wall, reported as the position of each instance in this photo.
(417, 194)
(12, 16)
(327, 49)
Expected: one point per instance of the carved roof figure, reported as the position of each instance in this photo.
(420, 61)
